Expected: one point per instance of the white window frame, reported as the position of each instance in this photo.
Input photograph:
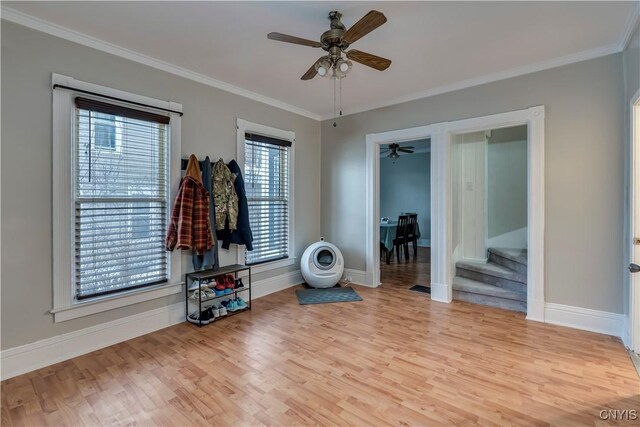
(243, 127)
(65, 305)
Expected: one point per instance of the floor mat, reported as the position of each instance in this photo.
(420, 288)
(322, 296)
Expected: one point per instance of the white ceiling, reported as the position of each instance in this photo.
(433, 45)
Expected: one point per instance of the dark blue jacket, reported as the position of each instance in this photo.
(243, 235)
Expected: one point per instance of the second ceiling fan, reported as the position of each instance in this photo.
(393, 151)
(336, 41)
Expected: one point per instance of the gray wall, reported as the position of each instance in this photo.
(506, 181)
(584, 159)
(208, 127)
(405, 186)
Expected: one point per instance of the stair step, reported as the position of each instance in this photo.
(476, 287)
(517, 255)
(505, 304)
(491, 269)
(480, 293)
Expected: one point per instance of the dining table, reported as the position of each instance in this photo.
(388, 233)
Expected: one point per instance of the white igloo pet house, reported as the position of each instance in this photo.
(322, 265)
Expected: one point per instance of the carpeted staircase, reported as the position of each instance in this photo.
(501, 282)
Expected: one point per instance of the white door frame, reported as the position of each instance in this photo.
(634, 281)
(441, 135)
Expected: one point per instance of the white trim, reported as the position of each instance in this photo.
(242, 127)
(440, 292)
(99, 305)
(489, 78)
(355, 277)
(632, 333)
(442, 259)
(267, 266)
(632, 24)
(26, 358)
(38, 24)
(65, 306)
(268, 286)
(29, 357)
(586, 319)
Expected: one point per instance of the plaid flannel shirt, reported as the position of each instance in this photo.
(190, 226)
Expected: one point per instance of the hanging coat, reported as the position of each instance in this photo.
(242, 235)
(224, 197)
(189, 225)
(210, 258)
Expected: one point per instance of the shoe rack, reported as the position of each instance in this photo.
(200, 293)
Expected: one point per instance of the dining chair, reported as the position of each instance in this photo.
(412, 232)
(401, 237)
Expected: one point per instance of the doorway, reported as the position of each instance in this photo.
(489, 217)
(634, 283)
(441, 136)
(405, 197)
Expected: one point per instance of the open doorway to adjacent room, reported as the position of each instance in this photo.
(405, 214)
(489, 217)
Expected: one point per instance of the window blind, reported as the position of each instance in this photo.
(267, 189)
(120, 198)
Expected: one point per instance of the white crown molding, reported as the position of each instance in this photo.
(38, 24)
(41, 25)
(632, 24)
(489, 78)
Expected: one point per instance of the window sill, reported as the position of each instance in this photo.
(100, 304)
(267, 266)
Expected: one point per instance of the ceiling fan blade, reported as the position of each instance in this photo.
(311, 72)
(369, 60)
(292, 39)
(405, 150)
(364, 26)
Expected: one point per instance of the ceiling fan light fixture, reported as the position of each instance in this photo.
(322, 67)
(344, 66)
(393, 156)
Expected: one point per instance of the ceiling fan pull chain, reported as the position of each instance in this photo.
(340, 101)
(334, 102)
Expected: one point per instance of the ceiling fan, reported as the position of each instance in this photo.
(335, 41)
(395, 148)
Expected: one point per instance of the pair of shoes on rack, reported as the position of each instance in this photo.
(198, 284)
(202, 294)
(218, 311)
(234, 304)
(203, 318)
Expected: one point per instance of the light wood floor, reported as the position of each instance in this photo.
(407, 272)
(395, 358)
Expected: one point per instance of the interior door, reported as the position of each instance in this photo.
(634, 267)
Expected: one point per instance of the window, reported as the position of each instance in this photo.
(267, 155)
(104, 131)
(120, 199)
(114, 166)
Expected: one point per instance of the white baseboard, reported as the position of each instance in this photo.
(626, 332)
(424, 243)
(29, 357)
(441, 292)
(586, 319)
(275, 284)
(358, 277)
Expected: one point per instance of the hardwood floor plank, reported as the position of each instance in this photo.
(394, 358)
